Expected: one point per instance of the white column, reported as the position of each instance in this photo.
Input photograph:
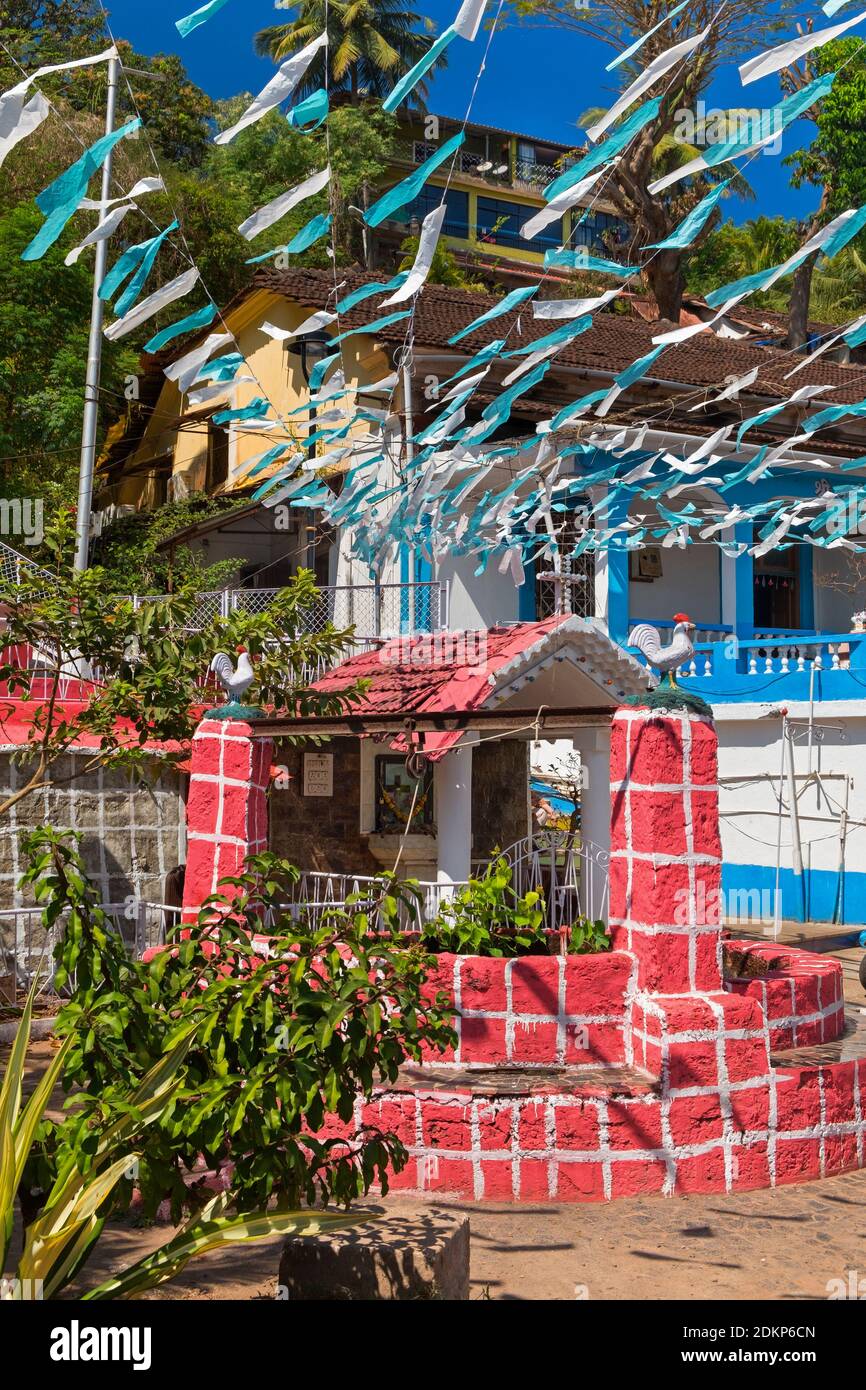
(593, 745)
(453, 790)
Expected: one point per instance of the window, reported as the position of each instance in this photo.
(217, 457)
(395, 790)
(456, 210)
(777, 589)
(599, 231)
(499, 224)
(578, 594)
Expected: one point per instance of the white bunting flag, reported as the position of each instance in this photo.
(175, 289)
(469, 18)
(273, 211)
(789, 53)
(657, 68)
(19, 118)
(280, 87)
(430, 229)
(105, 228)
(565, 200)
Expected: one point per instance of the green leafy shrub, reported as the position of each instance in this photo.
(286, 1038)
(489, 918)
(586, 938)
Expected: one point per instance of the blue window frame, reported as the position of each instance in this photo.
(499, 224)
(456, 210)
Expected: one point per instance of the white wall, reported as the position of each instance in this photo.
(833, 608)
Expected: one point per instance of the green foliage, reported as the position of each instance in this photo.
(489, 918)
(129, 547)
(445, 269)
(733, 251)
(44, 323)
(58, 1241)
(835, 160)
(586, 938)
(283, 1042)
(151, 659)
(371, 44)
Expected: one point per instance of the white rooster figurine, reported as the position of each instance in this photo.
(235, 680)
(667, 659)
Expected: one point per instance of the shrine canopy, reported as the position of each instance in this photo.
(558, 671)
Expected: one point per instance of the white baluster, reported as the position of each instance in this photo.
(835, 664)
(818, 660)
(708, 665)
(801, 662)
(785, 663)
(753, 665)
(768, 664)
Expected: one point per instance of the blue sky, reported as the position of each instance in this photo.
(537, 79)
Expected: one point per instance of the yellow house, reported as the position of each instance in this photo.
(495, 185)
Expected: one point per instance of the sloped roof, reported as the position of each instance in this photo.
(612, 343)
(444, 672)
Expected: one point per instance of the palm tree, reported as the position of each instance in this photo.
(371, 44)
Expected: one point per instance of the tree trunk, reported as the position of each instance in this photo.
(664, 274)
(801, 291)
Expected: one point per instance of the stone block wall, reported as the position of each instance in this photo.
(132, 835)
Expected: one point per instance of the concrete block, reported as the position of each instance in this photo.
(409, 1252)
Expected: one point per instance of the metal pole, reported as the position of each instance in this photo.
(94, 353)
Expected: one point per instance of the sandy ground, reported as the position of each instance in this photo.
(776, 1246)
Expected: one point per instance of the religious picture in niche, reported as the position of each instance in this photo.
(396, 789)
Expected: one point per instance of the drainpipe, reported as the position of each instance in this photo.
(796, 844)
(839, 904)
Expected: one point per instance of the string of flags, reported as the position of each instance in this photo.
(436, 503)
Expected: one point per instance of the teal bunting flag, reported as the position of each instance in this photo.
(414, 75)
(367, 291)
(600, 154)
(582, 260)
(312, 231)
(504, 306)
(192, 21)
(61, 198)
(563, 334)
(254, 411)
(694, 223)
(142, 256)
(481, 358)
(228, 363)
(200, 319)
(404, 192)
(371, 327)
(317, 375)
(309, 114)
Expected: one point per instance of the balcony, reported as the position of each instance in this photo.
(773, 665)
(374, 610)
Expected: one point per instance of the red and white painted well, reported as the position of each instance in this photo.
(585, 1078)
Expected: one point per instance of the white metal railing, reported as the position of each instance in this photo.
(27, 948)
(571, 874)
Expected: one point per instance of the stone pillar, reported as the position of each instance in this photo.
(593, 745)
(453, 787)
(227, 811)
(665, 869)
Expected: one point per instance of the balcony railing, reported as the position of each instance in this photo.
(800, 666)
(374, 610)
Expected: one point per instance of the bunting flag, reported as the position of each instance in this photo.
(582, 260)
(572, 308)
(427, 243)
(199, 319)
(60, 200)
(656, 70)
(138, 259)
(371, 327)
(148, 185)
(19, 117)
(692, 225)
(184, 369)
(309, 114)
(504, 306)
(770, 127)
(278, 90)
(272, 212)
(160, 299)
(411, 79)
(192, 21)
(469, 18)
(604, 153)
(101, 232)
(560, 204)
(774, 59)
(311, 232)
(404, 192)
(639, 43)
(367, 291)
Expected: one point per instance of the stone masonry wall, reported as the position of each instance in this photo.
(500, 791)
(131, 835)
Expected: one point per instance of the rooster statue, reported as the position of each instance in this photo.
(236, 681)
(666, 659)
